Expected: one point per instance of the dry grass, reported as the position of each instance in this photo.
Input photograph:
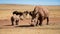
(6, 28)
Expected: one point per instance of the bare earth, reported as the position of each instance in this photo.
(23, 27)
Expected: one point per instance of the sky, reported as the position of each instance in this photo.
(31, 2)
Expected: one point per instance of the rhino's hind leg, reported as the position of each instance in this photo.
(47, 20)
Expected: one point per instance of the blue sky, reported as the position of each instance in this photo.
(31, 2)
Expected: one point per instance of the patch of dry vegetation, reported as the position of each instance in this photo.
(6, 13)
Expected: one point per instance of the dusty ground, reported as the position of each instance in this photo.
(23, 27)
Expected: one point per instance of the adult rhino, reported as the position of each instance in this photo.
(39, 14)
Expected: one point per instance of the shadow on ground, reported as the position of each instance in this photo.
(25, 26)
(20, 25)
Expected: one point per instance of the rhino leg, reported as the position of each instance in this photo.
(12, 20)
(41, 20)
(17, 22)
(37, 23)
(47, 20)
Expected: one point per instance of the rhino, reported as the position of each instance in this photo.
(39, 14)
